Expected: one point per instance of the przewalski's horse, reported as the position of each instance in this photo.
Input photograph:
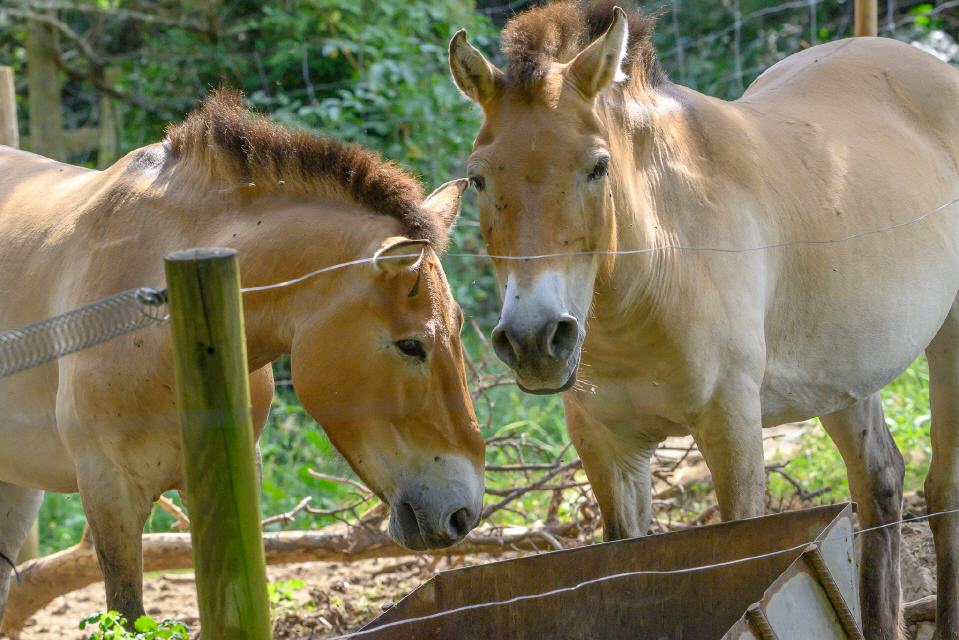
(375, 348)
(586, 146)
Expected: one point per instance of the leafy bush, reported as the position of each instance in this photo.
(112, 626)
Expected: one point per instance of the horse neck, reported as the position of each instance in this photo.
(279, 240)
(665, 143)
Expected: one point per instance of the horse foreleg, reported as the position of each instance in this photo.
(116, 510)
(875, 470)
(729, 435)
(618, 469)
(942, 482)
(18, 510)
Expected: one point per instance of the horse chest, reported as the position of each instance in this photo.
(636, 404)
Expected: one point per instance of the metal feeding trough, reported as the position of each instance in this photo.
(809, 592)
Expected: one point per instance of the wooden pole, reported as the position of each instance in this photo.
(213, 402)
(867, 17)
(9, 132)
(43, 90)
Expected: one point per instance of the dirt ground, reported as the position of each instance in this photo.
(335, 598)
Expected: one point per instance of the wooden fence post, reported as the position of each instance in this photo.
(867, 17)
(213, 402)
(9, 133)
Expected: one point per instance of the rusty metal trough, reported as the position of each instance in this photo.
(807, 593)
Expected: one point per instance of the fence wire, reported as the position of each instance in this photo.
(96, 323)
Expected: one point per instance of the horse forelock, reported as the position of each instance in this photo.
(236, 146)
(538, 38)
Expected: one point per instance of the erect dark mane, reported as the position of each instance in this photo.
(556, 32)
(238, 146)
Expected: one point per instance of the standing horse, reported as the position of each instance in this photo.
(586, 147)
(375, 348)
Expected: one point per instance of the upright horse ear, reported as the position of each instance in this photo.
(445, 201)
(600, 64)
(399, 253)
(475, 76)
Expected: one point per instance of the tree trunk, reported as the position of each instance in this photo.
(9, 132)
(43, 88)
(110, 124)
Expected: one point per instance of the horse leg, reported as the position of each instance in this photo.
(618, 469)
(729, 435)
(942, 482)
(875, 470)
(18, 510)
(116, 510)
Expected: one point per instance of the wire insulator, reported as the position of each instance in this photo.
(96, 323)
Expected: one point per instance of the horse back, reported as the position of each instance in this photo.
(867, 82)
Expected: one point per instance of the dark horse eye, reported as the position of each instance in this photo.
(478, 182)
(412, 348)
(599, 171)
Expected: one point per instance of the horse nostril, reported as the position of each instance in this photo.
(407, 519)
(563, 339)
(504, 346)
(458, 524)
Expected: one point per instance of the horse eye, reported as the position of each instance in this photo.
(412, 348)
(478, 182)
(600, 170)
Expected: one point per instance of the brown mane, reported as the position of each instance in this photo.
(556, 32)
(238, 146)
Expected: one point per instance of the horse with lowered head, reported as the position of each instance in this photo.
(375, 349)
(587, 148)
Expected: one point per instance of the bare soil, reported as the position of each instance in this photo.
(334, 597)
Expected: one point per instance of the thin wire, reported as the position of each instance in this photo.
(893, 25)
(622, 252)
(710, 37)
(627, 574)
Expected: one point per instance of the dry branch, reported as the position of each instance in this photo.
(44, 579)
(921, 610)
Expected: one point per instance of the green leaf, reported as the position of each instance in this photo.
(145, 623)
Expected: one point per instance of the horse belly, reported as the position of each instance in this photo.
(850, 342)
(31, 452)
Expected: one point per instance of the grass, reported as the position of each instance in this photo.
(906, 405)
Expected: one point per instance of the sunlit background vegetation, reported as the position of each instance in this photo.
(376, 73)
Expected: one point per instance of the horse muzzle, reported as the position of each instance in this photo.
(543, 356)
(427, 517)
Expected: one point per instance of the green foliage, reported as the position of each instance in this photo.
(818, 465)
(284, 591)
(112, 626)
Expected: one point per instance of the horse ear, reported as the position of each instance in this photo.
(445, 201)
(600, 64)
(475, 76)
(399, 253)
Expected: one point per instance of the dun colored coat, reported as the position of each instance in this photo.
(375, 347)
(586, 147)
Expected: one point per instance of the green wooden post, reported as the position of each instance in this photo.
(213, 401)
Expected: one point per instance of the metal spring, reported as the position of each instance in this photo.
(94, 324)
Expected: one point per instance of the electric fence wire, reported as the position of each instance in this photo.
(119, 314)
(93, 324)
